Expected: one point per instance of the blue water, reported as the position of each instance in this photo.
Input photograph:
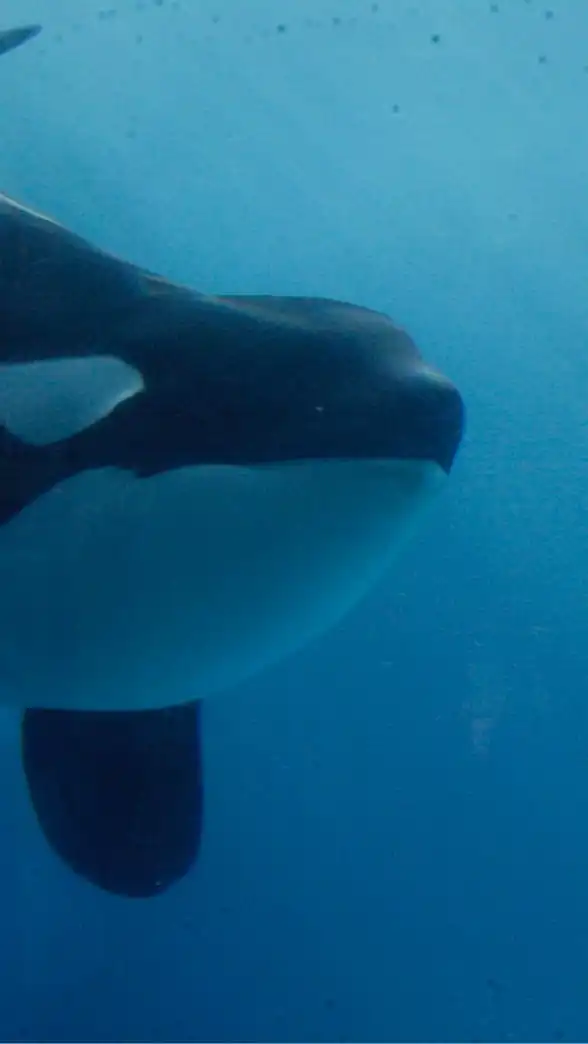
(397, 818)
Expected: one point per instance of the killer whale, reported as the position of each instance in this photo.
(191, 486)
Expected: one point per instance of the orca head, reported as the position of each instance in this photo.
(269, 380)
(346, 383)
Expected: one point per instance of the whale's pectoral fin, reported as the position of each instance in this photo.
(11, 38)
(118, 795)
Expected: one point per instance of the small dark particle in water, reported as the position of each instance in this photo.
(131, 133)
(336, 22)
(375, 8)
(494, 986)
(542, 59)
(549, 15)
(158, 3)
(395, 108)
(281, 28)
(215, 19)
(139, 38)
(494, 8)
(329, 1003)
(436, 38)
(11, 38)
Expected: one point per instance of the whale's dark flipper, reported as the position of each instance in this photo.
(11, 38)
(118, 795)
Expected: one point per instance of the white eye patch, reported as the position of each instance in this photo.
(45, 401)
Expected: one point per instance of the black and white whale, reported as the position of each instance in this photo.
(191, 487)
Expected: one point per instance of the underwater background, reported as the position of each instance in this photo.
(396, 818)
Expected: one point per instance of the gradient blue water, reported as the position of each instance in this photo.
(397, 818)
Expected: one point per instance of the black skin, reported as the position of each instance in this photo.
(118, 796)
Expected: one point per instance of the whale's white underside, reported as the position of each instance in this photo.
(124, 593)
